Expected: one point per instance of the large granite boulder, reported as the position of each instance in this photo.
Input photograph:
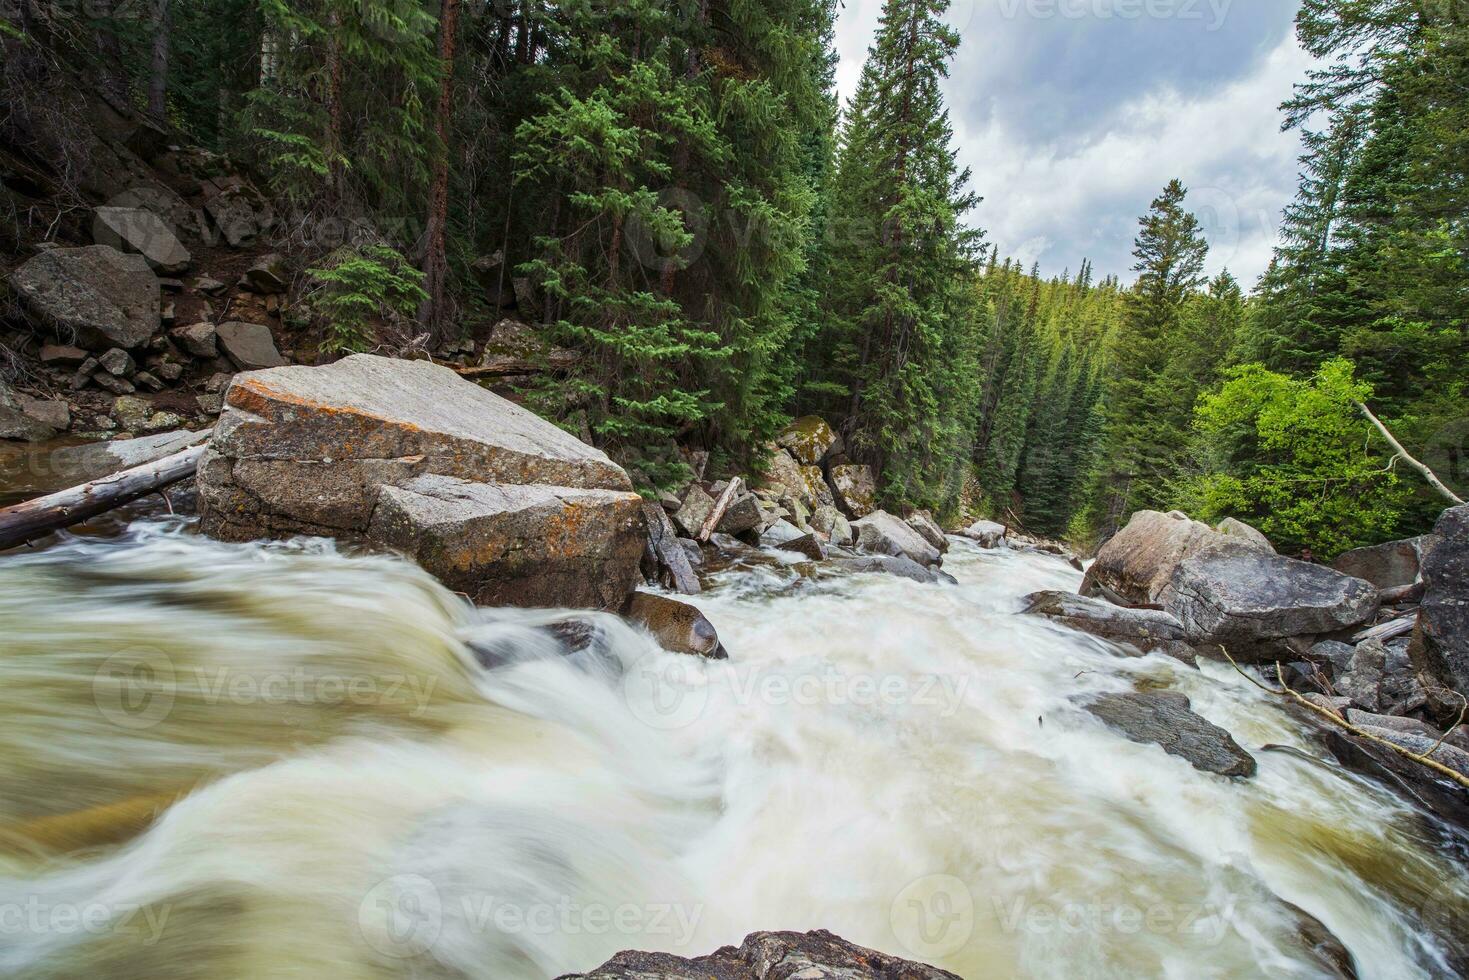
(881, 533)
(1247, 597)
(1394, 565)
(1136, 565)
(144, 233)
(1146, 630)
(95, 296)
(1166, 719)
(498, 503)
(922, 522)
(1440, 646)
(810, 440)
(769, 956)
(677, 626)
(1232, 527)
(855, 489)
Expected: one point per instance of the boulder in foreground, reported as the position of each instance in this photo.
(815, 955)
(881, 533)
(1136, 565)
(495, 501)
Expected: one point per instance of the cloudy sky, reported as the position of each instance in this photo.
(1073, 115)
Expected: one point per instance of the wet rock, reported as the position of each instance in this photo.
(889, 565)
(816, 955)
(1136, 565)
(677, 626)
(96, 296)
(52, 413)
(539, 546)
(139, 231)
(881, 533)
(1166, 719)
(1393, 565)
(779, 533)
(1336, 705)
(118, 363)
(810, 440)
(696, 508)
(807, 544)
(1409, 779)
(1440, 647)
(855, 489)
(16, 423)
(923, 522)
(499, 503)
(1251, 597)
(73, 465)
(1146, 630)
(692, 550)
(665, 560)
(267, 277)
(833, 523)
(987, 534)
(1232, 528)
(1444, 754)
(62, 356)
(249, 345)
(197, 340)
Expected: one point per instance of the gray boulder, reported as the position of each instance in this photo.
(1440, 645)
(249, 345)
(779, 533)
(833, 523)
(922, 522)
(696, 508)
(516, 545)
(769, 956)
(17, 423)
(881, 533)
(1166, 719)
(268, 276)
(484, 493)
(742, 515)
(1233, 597)
(95, 296)
(665, 559)
(808, 545)
(1394, 565)
(1380, 678)
(142, 232)
(986, 534)
(1232, 528)
(1407, 726)
(855, 489)
(1145, 630)
(1444, 754)
(197, 339)
(1137, 564)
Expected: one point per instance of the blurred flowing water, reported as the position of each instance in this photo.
(357, 774)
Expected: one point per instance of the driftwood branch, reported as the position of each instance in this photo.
(717, 514)
(26, 521)
(1285, 691)
(1403, 454)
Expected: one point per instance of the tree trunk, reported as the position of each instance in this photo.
(1428, 474)
(34, 518)
(158, 75)
(334, 108)
(433, 313)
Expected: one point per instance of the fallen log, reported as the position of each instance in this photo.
(34, 518)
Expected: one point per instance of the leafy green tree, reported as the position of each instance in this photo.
(1297, 460)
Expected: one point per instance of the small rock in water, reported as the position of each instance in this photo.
(677, 626)
(1166, 719)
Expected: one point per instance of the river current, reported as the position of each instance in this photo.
(338, 769)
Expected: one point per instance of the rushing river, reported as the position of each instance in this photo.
(373, 779)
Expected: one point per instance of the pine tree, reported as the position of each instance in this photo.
(899, 258)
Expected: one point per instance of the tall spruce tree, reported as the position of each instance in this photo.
(899, 259)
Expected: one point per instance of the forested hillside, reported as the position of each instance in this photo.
(706, 245)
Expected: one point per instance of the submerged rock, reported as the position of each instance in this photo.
(677, 626)
(986, 534)
(902, 567)
(1166, 719)
(497, 502)
(816, 955)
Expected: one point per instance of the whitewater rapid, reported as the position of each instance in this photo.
(374, 779)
